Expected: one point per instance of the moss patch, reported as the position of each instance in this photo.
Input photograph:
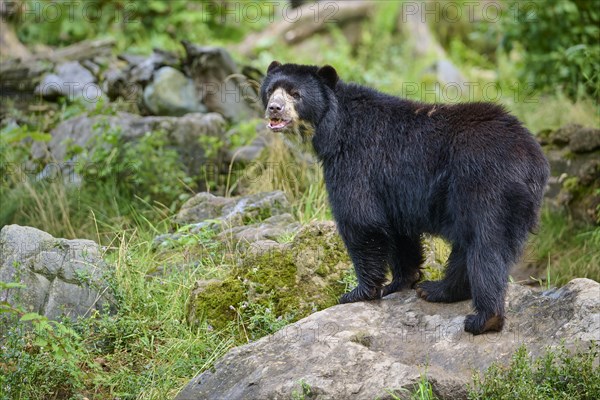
(214, 302)
(289, 280)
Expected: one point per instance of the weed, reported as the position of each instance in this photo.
(559, 374)
(566, 249)
(304, 392)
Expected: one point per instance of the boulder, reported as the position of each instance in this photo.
(126, 78)
(221, 84)
(370, 350)
(61, 277)
(291, 279)
(70, 80)
(171, 93)
(183, 134)
(233, 210)
(243, 219)
(574, 153)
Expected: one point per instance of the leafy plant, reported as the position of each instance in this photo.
(560, 41)
(39, 357)
(146, 168)
(559, 374)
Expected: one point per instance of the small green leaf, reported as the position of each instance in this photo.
(31, 317)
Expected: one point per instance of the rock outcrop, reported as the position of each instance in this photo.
(574, 155)
(70, 80)
(372, 349)
(292, 279)
(171, 93)
(243, 220)
(61, 277)
(182, 133)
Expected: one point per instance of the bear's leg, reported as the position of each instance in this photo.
(406, 260)
(488, 276)
(369, 251)
(455, 285)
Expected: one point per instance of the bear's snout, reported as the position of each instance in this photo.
(276, 106)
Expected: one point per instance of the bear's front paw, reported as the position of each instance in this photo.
(477, 324)
(403, 283)
(441, 292)
(360, 293)
(432, 291)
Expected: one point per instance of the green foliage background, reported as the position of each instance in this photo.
(560, 42)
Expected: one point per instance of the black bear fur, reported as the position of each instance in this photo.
(394, 169)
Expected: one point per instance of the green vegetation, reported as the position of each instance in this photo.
(423, 391)
(566, 249)
(144, 351)
(559, 374)
(270, 289)
(136, 25)
(546, 72)
(560, 44)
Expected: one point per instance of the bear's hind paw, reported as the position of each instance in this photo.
(477, 324)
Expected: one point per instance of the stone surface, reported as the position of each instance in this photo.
(224, 89)
(573, 152)
(243, 219)
(127, 77)
(61, 277)
(183, 134)
(70, 80)
(367, 350)
(292, 279)
(577, 138)
(271, 228)
(171, 93)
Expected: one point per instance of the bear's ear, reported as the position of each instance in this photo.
(274, 64)
(329, 75)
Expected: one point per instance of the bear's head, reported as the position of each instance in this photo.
(297, 97)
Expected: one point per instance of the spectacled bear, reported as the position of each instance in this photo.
(395, 169)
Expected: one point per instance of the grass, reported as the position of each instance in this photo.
(288, 170)
(566, 249)
(145, 351)
(559, 374)
(423, 390)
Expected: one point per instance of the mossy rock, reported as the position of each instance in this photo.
(293, 279)
(215, 301)
(581, 194)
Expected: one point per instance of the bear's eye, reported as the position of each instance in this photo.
(295, 94)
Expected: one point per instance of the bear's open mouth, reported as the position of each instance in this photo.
(277, 124)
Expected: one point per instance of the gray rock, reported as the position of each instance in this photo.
(201, 207)
(222, 86)
(577, 138)
(233, 211)
(585, 140)
(70, 80)
(367, 350)
(271, 228)
(127, 77)
(247, 153)
(293, 279)
(61, 277)
(244, 219)
(573, 152)
(183, 134)
(171, 93)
